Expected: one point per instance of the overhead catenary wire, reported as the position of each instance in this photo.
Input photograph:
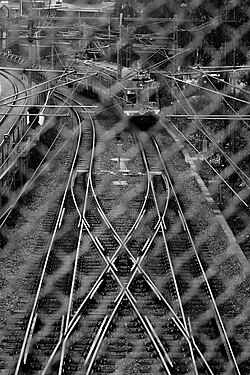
(210, 165)
(206, 133)
(66, 142)
(42, 129)
(214, 170)
(202, 70)
(46, 166)
(170, 76)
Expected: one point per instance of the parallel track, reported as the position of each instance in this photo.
(174, 250)
(25, 357)
(108, 289)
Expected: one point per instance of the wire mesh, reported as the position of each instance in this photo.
(199, 52)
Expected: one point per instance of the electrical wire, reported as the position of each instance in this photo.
(206, 133)
(214, 170)
(42, 129)
(222, 96)
(221, 80)
(204, 158)
(204, 88)
(168, 59)
(209, 136)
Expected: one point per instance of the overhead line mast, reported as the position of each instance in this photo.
(30, 41)
(119, 46)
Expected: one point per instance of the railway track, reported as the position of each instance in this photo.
(193, 295)
(122, 286)
(40, 254)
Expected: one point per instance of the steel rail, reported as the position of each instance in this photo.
(156, 345)
(56, 347)
(23, 136)
(167, 200)
(28, 183)
(169, 258)
(77, 314)
(95, 287)
(79, 242)
(82, 222)
(104, 330)
(64, 342)
(96, 339)
(109, 265)
(153, 336)
(72, 182)
(3, 217)
(130, 296)
(136, 223)
(69, 324)
(219, 321)
(137, 262)
(189, 336)
(157, 339)
(47, 257)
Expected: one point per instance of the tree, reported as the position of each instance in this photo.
(126, 7)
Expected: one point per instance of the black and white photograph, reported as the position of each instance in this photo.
(125, 187)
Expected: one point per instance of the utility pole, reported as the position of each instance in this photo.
(119, 46)
(52, 55)
(37, 35)
(109, 37)
(174, 49)
(30, 42)
(4, 15)
(175, 42)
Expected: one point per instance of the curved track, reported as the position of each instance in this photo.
(179, 245)
(24, 356)
(121, 274)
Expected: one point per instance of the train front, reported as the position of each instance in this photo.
(141, 103)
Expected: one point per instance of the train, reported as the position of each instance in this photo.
(134, 94)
